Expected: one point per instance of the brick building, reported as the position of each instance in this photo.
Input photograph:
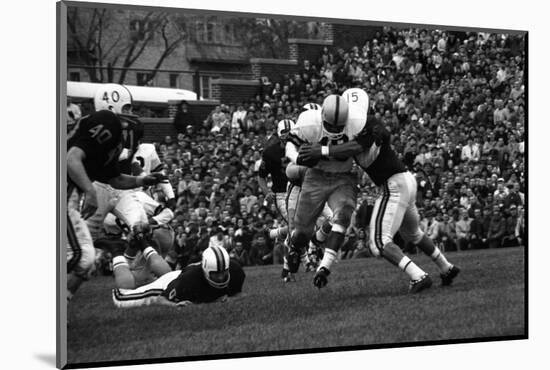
(209, 53)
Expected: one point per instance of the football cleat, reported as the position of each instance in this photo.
(320, 279)
(416, 286)
(294, 259)
(448, 277)
(287, 276)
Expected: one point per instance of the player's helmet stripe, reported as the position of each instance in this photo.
(337, 111)
(380, 218)
(220, 263)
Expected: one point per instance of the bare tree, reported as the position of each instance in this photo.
(102, 41)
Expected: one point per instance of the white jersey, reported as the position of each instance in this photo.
(309, 129)
(146, 156)
(148, 159)
(358, 105)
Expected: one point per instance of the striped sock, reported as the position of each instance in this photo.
(119, 261)
(410, 268)
(148, 252)
(440, 260)
(328, 258)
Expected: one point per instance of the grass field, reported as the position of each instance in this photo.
(365, 303)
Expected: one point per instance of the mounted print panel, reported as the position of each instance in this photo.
(241, 185)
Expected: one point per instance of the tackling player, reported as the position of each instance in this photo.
(394, 210)
(214, 279)
(328, 181)
(93, 149)
(273, 163)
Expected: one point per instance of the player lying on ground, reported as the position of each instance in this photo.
(214, 279)
(394, 210)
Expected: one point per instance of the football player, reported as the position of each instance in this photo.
(117, 98)
(215, 278)
(273, 164)
(394, 210)
(93, 148)
(327, 181)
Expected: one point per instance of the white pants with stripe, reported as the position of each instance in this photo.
(395, 210)
(80, 249)
(144, 295)
(280, 201)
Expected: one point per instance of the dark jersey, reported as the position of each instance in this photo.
(132, 133)
(191, 285)
(378, 160)
(272, 163)
(99, 136)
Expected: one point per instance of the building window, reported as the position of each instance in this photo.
(144, 79)
(206, 87)
(174, 80)
(199, 31)
(74, 76)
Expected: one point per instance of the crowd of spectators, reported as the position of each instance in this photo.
(454, 102)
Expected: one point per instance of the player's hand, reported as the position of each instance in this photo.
(309, 155)
(154, 178)
(270, 197)
(90, 204)
(320, 279)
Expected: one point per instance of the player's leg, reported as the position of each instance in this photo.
(313, 195)
(342, 200)
(387, 216)
(324, 226)
(122, 273)
(129, 210)
(106, 198)
(164, 237)
(80, 249)
(144, 295)
(293, 194)
(410, 231)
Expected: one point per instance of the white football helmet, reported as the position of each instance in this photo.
(311, 106)
(335, 113)
(283, 127)
(215, 266)
(112, 97)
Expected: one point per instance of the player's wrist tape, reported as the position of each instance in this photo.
(324, 151)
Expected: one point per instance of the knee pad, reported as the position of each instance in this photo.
(343, 216)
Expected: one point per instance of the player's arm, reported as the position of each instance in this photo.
(123, 181)
(77, 173)
(291, 152)
(262, 181)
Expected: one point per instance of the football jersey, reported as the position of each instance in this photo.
(309, 129)
(99, 136)
(378, 160)
(147, 157)
(272, 164)
(191, 285)
(132, 133)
